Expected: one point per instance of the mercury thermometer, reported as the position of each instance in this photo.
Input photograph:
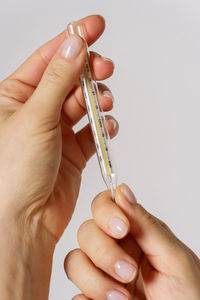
(96, 116)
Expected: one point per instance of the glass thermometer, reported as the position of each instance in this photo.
(96, 117)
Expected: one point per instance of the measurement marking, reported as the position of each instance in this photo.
(98, 121)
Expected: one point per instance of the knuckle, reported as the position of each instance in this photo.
(102, 255)
(147, 218)
(100, 201)
(70, 259)
(95, 201)
(55, 72)
(79, 297)
(7, 87)
(16, 89)
(84, 228)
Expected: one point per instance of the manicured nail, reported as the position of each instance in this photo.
(125, 270)
(128, 193)
(114, 124)
(115, 295)
(71, 47)
(108, 59)
(108, 94)
(118, 227)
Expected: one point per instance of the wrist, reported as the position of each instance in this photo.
(26, 254)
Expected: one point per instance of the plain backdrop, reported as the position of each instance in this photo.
(155, 45)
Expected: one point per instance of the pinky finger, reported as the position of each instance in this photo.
(92, 282)
(80, 297)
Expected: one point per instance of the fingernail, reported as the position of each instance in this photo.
(108, 94)
(108, 59)
(125, 270)
(71, 47)
(118, 227)
(115, 295)
(128, 193)
(114, 124)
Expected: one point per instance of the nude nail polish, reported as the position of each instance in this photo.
(125, 270)
(118, 227)
(128, 193)
(108, 94)
(116, 295)
(71, 47)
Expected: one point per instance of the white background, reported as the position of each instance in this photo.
(156, 48)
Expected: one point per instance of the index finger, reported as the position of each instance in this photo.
(31, 71)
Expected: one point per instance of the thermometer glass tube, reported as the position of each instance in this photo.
(96, 117)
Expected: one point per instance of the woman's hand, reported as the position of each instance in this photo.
(146, 261)
(42, 158)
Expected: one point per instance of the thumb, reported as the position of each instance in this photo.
(155, 239)
(58, 80)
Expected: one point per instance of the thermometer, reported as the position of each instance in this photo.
(95, 116)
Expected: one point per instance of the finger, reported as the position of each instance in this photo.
(57, 82)
(101, 67)
(80, 297)
(106, 253)
(85, 139)
(17, 90)
(109, 217)
(138, 289)
(146, 269)
(90, 280)
(158, 244)
(74, 107)
(84, 145)
(104, 210)
(130, 246)
(13, 90)
(33, 68)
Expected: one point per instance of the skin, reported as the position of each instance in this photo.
(42, 158)
(165, 267)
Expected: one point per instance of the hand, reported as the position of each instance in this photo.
(146, 261)
(41, 157)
